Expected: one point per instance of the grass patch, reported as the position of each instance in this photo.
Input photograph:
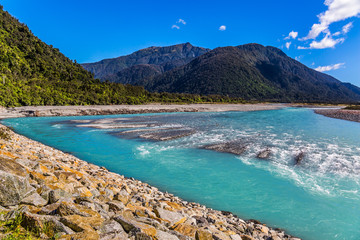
(4, 134)
(13, 229)
(353, 107)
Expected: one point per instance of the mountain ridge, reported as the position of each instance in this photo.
(148, 62)
(250, 71)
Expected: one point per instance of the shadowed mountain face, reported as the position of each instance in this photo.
(253, 71)
(249, 71)
(144, 63)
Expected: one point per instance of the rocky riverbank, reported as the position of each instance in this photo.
(56, 195)
(350, 115)
(40, 111)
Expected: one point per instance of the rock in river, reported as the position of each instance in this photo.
(235, 147)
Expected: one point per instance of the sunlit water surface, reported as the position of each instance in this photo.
(318, 199)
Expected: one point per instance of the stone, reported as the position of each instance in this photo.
(132, 226)
(237, 147)
(299, 157)
(116, 205)
(13, 188)
(79, 223)
(264, 154)
(171, 217)
(69, 208)
(110, 226)
(202, 234)
(185, 229)
(12, 167)
(235, 237)
(142, 236)
(246, 237)
(218, 235)
(55, 195)
(161, 235)
(34, 199)
(167, 135)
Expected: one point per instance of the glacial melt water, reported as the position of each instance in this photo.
(318, 199)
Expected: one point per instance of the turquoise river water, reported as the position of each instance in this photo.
(317, 199)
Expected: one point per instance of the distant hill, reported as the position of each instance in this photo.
(253, 71)
(250, 71)
(144, 63)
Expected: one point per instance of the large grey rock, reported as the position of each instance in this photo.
(116, 205)
(57, 194)
(235, 147)
(264, 154)
(161, 235)
(13, 188)
(299, 157)
(34, 199)
(111, 229)
(167, 135)
(172, 217)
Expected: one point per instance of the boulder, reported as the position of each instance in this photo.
(55, 195)
(203, 234)
(111, 229)
(237, 147)
(13, 188)
(161, 235)
(133, 227)
(167, 135)
(34, 199)
(299, 157)
(171, 217)
(264, 154)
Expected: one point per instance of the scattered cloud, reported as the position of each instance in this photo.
(329, 67)
(181, 21)
(292, 35)
(298, 58)
(178, 22)
(347, 27)
(287, 45)
(326, 42)
(222, 28)
(338, 10)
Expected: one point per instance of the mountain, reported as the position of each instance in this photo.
(144, 63)
(252, 71)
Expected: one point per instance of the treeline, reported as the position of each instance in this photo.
(34, 73)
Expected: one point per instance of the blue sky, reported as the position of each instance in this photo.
(325, 35)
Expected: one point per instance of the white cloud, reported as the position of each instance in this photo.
(288, 45)
(326, 42)
(298, 58)
(292, 35)
(347, 27)
(175, 26)
(222, 28)
(329, 67)
(338, 10)
(181, 21)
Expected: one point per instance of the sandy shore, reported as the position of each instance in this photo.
(30, 111)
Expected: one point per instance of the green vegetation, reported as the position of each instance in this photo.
(253, 72)
(352, 107)
(4, 134)
(13, 229)
(34, 73)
